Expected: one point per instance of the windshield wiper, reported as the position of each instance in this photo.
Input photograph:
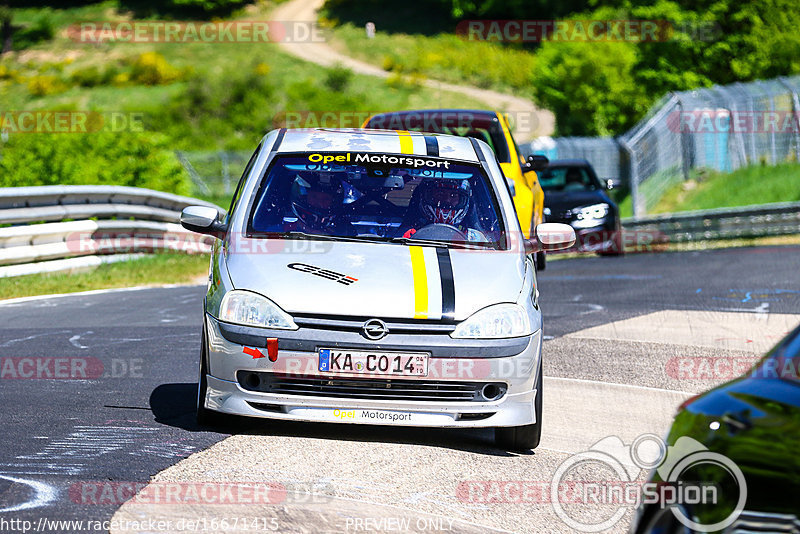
(324, 237)
(442, 244)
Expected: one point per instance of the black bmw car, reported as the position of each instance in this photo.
(750, 428)
(574, 195)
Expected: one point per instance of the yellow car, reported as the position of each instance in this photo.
(493, 128)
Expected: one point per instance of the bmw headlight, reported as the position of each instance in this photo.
(251, 309)
(589, 216)
(498, 321)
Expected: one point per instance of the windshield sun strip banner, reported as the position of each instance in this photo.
(366, 158)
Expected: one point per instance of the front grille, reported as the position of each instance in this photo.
(376, 389)
(750, 522)
(356, 324)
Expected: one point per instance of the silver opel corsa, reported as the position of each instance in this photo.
(374, 277)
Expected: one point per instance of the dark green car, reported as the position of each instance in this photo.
(754, 421)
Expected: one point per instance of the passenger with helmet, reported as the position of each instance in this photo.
(317, 200)
(442, 201)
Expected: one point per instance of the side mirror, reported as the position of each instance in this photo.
(610, 184)
(535, 162)
(203, 220)
(551, 236)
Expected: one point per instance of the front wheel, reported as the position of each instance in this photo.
(526, 437)
(540, 260)
(617, 247)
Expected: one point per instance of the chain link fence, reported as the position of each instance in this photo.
(721, 128)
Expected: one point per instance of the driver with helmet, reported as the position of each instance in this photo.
(445, 202)
(317, 200)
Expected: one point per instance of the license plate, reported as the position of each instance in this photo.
(373, 363)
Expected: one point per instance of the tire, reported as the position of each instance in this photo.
(662, 521)
(205, 417)
(540, 260)
(526, 437)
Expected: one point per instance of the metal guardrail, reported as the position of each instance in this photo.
(723, 223)
(56, 228)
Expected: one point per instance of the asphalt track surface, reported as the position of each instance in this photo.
(612, 327)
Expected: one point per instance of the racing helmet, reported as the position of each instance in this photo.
(317, 198)
(445, 201)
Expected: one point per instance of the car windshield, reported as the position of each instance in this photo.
(567, 179)
(460, 123)
(377, 197)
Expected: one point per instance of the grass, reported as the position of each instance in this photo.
(445, 57)
(428, 45)
(155, 269)
(757, 184)
(62, 57)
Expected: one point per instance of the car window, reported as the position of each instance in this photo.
(240, 186)
(396, 197)
(567, 179)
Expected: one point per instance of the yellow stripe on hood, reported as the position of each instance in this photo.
(420, 283)
(406, 142)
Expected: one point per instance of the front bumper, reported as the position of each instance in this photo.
(227, 360)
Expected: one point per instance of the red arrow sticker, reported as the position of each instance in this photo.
(255, 353)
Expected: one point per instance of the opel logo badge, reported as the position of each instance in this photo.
(375, 329)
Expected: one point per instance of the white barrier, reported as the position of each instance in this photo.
(129, 221)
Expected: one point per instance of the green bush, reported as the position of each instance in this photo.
(133, 159)
(90, 76)
(181, 8)
(151, 68)
(42, 29)
(338, 78)
(46, 85)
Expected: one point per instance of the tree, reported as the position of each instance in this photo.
(590, 86)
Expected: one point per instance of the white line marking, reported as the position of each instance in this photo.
(34, 336)
(74, 340)
(22, 300)
(614, 384)
(44, 494)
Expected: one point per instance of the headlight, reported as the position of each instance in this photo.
(595, 211)
(589, 216)
(251, 309)
(498, 321)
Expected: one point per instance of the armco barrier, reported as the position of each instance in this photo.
(56, 228)
(723, 223)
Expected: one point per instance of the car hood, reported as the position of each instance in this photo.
(759, 428)
(392, 281)
(560, 201)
